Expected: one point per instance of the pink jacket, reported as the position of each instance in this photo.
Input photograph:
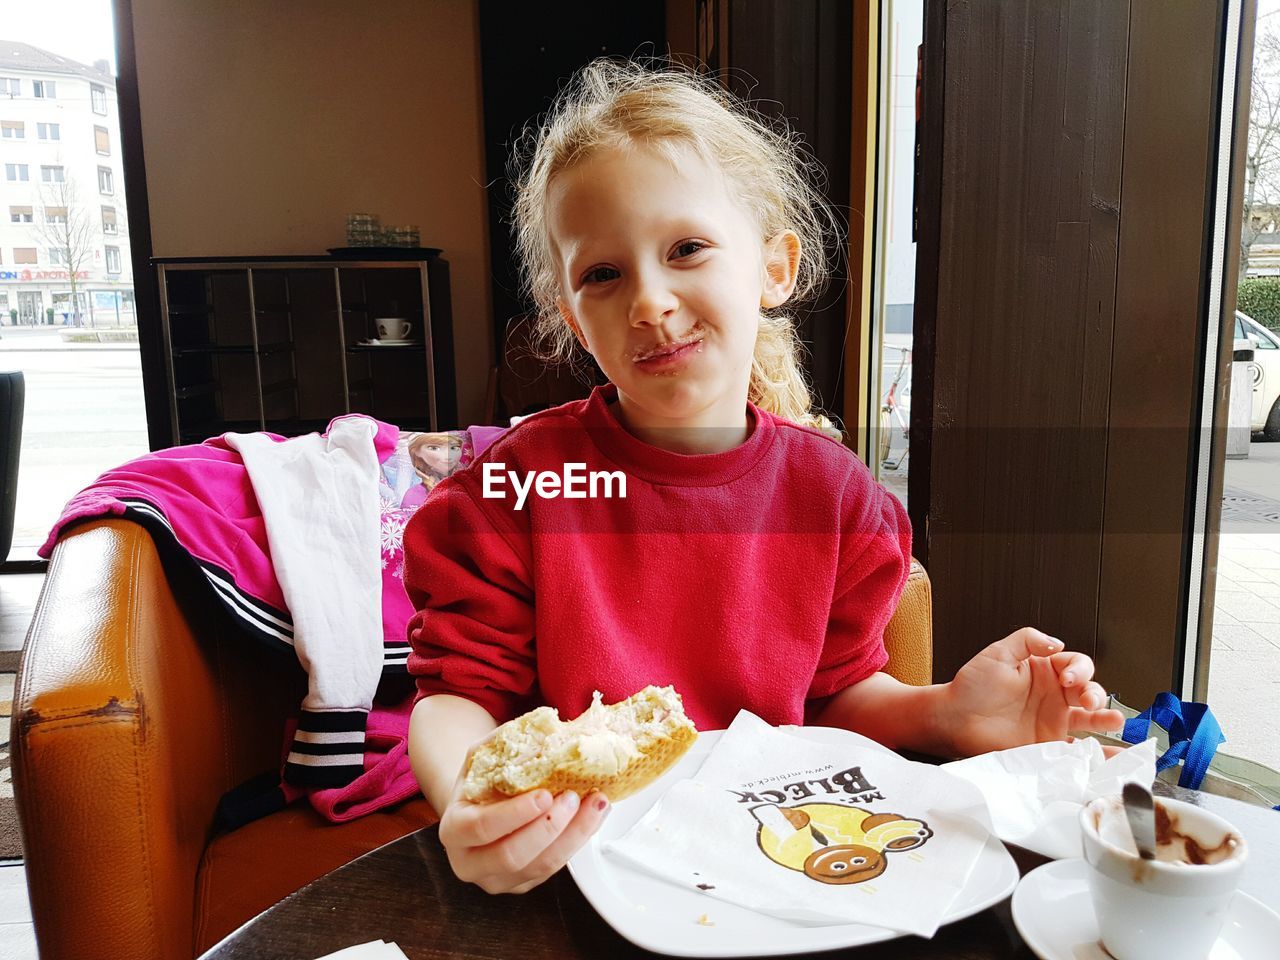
(199, 505)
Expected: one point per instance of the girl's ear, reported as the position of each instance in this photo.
(781, 268)
(572, 322)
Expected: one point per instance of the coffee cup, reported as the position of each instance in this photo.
(392, 328)
(1171, 907)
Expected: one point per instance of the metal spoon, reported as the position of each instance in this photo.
(1139, 807)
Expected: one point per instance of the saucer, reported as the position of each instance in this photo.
(389, 343)
(1053, 910)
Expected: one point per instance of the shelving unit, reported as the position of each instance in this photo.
(280, 343)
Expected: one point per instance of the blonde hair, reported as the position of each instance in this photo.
(611, 104)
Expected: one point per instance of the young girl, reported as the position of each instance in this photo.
(753, 562)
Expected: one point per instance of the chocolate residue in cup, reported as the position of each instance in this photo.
(1169, 838)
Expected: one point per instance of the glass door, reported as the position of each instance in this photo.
(894, 260)
(1233, 652)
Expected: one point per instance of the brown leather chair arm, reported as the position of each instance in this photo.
(132, 716)
(909, 636)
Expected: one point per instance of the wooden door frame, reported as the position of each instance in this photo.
(928, 219)
(146, 293)
(1138, 574)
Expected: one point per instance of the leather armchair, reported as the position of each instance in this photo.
(134, 714)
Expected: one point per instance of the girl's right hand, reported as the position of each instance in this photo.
(512, 845)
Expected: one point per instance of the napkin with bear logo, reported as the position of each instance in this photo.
(833, 832)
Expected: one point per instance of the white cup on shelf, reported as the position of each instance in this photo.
(392, 328)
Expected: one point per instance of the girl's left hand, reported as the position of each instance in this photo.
(1024, 689)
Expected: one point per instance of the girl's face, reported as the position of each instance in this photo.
(662, 277)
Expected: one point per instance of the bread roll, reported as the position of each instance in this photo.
(616, 749)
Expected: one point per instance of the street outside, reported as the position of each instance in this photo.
(84, 414)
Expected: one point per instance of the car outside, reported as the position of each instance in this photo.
(1264, 371)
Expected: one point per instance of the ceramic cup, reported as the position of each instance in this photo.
(393, 328)
(1169, 908)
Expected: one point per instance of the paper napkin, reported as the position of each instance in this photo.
(373, 950)
(1035, 793)
(817, 833)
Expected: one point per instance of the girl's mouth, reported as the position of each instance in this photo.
(669, 354)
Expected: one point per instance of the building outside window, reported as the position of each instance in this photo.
(70, 125)
(13, 129)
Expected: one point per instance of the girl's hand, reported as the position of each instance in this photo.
(1024, 689)
(512, 845)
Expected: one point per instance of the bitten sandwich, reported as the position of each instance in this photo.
(616, 749)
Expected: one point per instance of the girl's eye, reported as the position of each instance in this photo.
(599, 275)
(688, 248)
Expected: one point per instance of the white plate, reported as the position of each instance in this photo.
(664, 917)
(1053, 910)
(388, 343)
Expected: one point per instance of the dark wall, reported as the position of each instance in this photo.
(794, 55)
(527, 53)
(1060, 323)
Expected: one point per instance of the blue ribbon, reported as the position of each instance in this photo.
(1194, 736)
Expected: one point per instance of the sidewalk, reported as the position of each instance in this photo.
(47, 339)
(1244, 668)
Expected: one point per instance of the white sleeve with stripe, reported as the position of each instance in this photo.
(319, 500)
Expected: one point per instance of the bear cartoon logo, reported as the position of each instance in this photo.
(832, 843)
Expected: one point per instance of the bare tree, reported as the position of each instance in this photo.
(1262, 165)
(69, 227)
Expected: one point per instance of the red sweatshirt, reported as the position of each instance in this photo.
(762, 577)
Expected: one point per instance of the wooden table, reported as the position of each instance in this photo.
(405, 892)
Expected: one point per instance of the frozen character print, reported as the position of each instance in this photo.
(434, 457)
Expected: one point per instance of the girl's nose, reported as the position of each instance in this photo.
(651, 303)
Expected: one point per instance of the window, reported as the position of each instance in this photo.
(11, 86)
(1266, 340)
(44, 89)
(113, 259)
(55, 214)
(24, 255)
(16, 171)
(98, 94)
(19, 214)
(13, 129)
(109, 220)
(49, 131)
(58, 256)
(102, 140)
(53, 174)
(106, 184)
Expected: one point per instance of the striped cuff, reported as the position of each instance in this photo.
(327, 749)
